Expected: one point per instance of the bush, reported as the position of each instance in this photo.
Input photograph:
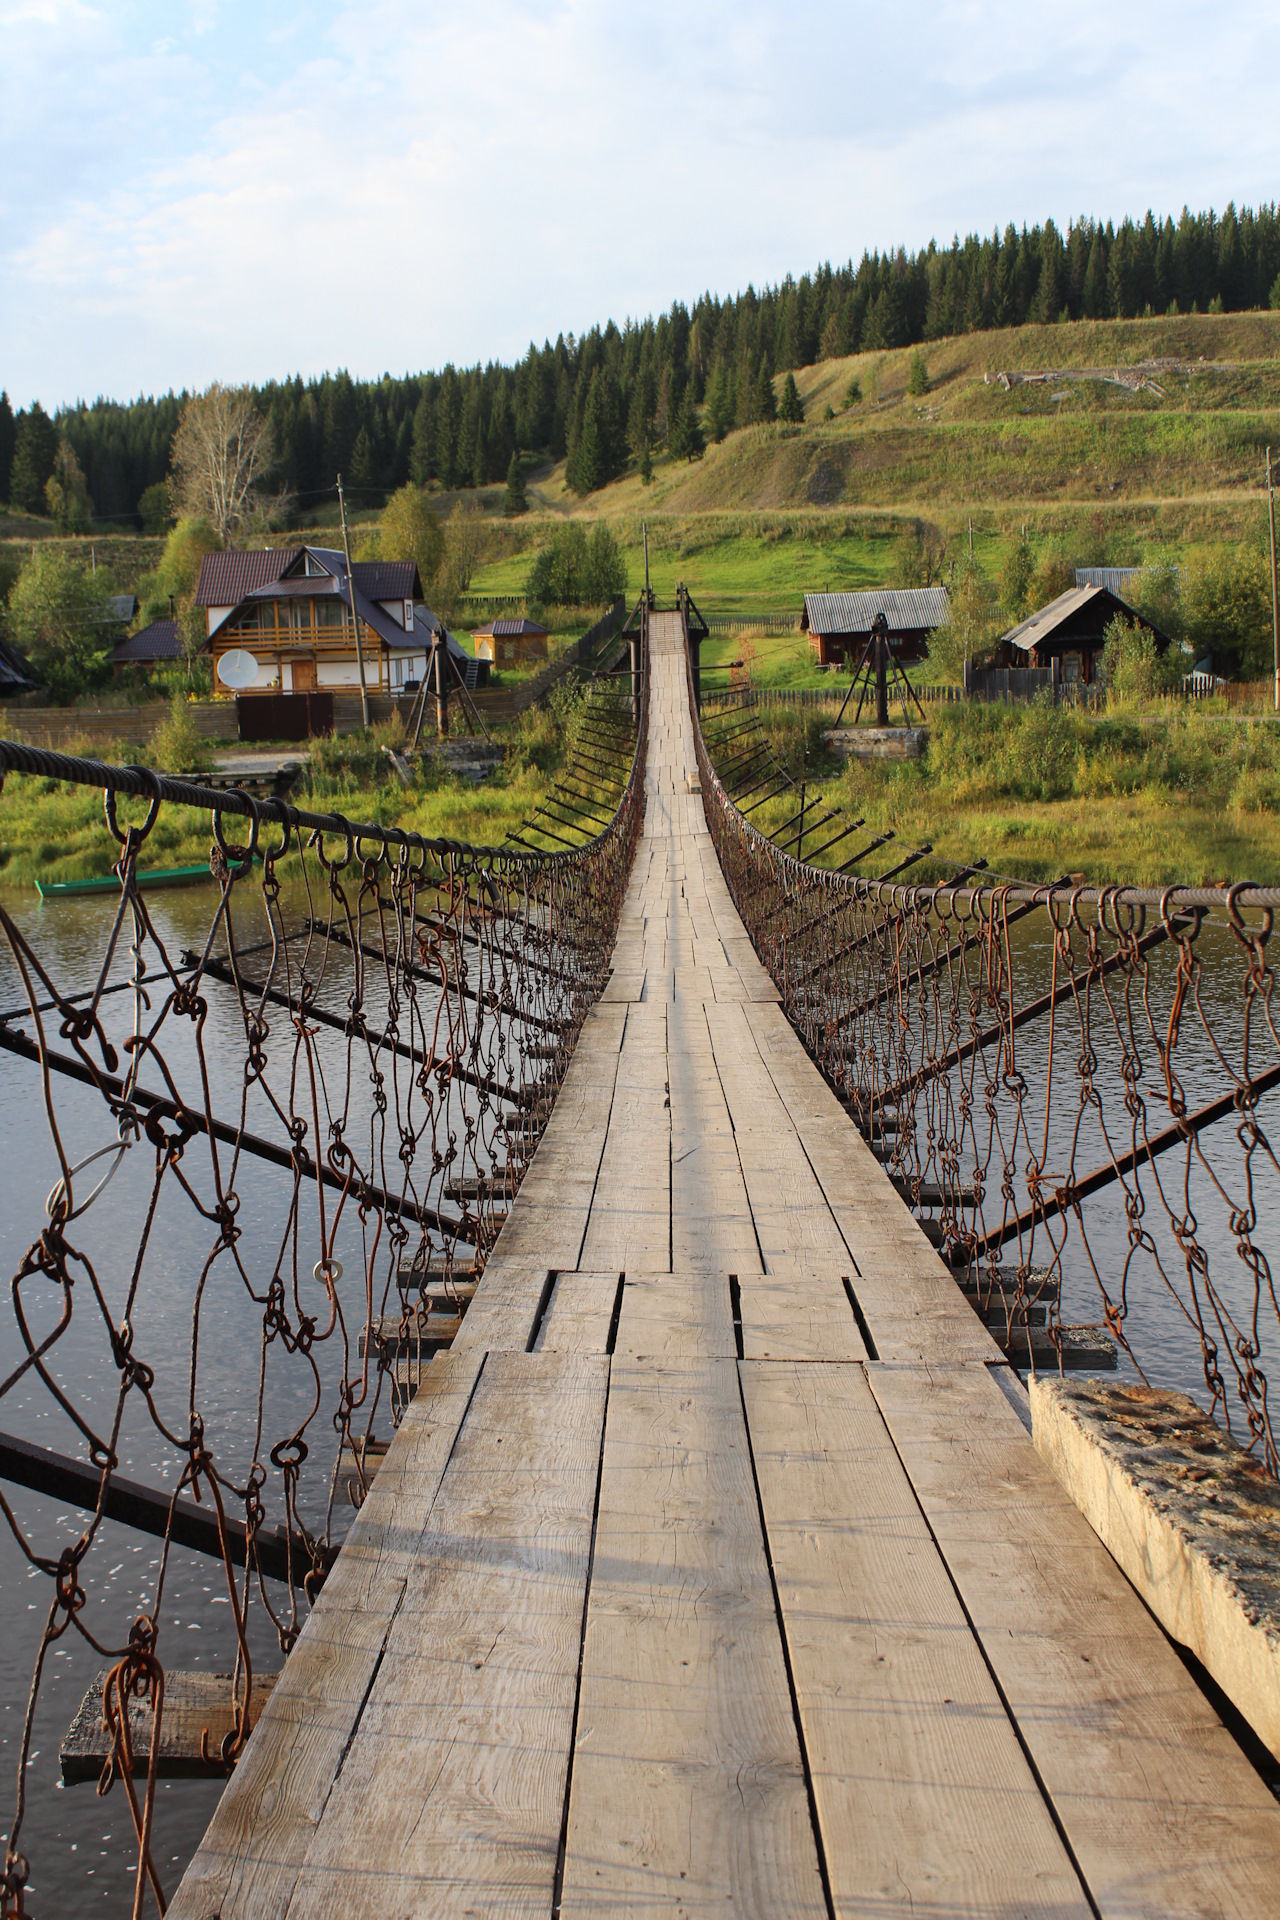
(56, 615)
(1132, 664)
(1044, 749)
(1226, 598)
(574, 571)
(177, 746)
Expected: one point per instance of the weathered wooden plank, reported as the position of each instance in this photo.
(248, 1862)
(677, 1316)
(925, 1800)
(580, 1313)
(451, 1795)
(1164, 1814)
(198, 1713)
(906, 1293)
(800, 1313)
(687, 1794)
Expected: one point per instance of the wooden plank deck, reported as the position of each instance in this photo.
(714, 1570)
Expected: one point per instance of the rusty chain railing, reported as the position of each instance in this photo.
(307, 1125)
(1072, 1086)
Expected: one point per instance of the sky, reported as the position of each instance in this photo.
(219, 189)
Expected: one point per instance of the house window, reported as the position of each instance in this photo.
(330, 612)
(1070, 668)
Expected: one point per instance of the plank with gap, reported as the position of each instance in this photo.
(688, 1794)
(798, 1312)
(579, 1313)
(1166, 1817)
(670, 1316)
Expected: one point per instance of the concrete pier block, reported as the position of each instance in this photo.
(1190, 1516)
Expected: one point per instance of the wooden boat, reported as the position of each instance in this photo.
(109, 882)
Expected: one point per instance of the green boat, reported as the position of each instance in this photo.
(110, 883)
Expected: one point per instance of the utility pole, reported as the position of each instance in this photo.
(355, 618)
(1275, 598)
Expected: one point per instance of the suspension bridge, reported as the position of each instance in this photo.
(711, 1566)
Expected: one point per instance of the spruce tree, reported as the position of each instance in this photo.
(646, 465)
(918, 378)
(791, 408)
(7, 437)
(422, 456)
(766, 407)
(34, 457)
(685, 439)
(516, 500)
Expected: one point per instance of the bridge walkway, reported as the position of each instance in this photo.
(713, 1570)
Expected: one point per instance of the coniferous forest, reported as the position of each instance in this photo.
(615, 393)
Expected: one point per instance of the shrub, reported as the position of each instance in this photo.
(574, 571)
(56, 618)
(1133, 667)
(177, 746)
(1044, 749)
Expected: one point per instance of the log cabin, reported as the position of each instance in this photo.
(1069, 634)
(839, 624)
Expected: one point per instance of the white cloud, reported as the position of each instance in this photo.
(241, 192)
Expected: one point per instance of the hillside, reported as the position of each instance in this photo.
(1108, 470)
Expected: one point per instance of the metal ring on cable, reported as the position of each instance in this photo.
(239, 859)
(109, 808)
(375, 861)
(317, 841)
(282, 814)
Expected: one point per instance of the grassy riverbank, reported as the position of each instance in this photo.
(1143, 798)
(56, 830)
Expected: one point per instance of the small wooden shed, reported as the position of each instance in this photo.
(511, 643)
(839, 624)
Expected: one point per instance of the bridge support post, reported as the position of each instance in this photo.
(695, 657)
(881, 631)
(442, 690)
(634, 646)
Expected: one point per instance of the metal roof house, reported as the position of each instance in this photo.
(149, 646)
(511, 642)
(290, 609)
(1069, 634)
(839, 624)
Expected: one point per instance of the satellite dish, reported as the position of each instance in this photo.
(238, 669)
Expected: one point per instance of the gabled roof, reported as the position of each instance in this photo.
(385, 579)
(120, 606)
(510, 629)
(15, 675)
(1099, 604)
(226, 578)
(393, 580)
(159, 641)
(906, 609)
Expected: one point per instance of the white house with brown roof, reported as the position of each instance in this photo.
(290, 609)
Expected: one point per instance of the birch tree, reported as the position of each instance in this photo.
(221, 452)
